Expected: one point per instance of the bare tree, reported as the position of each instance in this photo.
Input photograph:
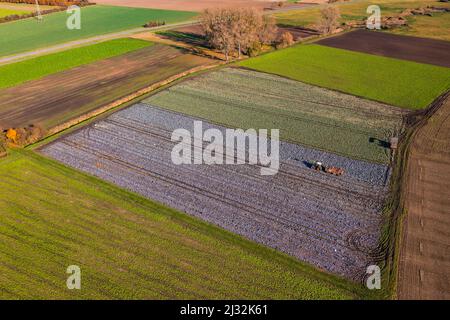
(243, 29)
(268, 31)
(217, 27)
(329, 20)
(237, 29)
(286, 40)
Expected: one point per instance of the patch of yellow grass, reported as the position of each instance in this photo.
(356, 10)
(435, 27)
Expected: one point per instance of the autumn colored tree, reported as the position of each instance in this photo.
(12, 135)
(217, 26)
(238, 30)
(23, 136)
(286, 40)
(268, 32)
(329, 19)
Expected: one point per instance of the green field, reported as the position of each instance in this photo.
(128, 247)
(305, 114)
(435, 27)
(352, 10)
(16, 73)
(30, 34)
(8, 12)
(392, 81)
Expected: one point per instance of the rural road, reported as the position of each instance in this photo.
(83, 42)
(104, 37)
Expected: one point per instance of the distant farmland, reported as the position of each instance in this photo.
(397, 82)
(130, 248)
(66, 95)
(35, 68)
(312, 116)
(330, 222)
(8, 12)
(421, 50)
(29, 34)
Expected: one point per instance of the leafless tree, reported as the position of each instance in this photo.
(329, 20)
(237, 29)
(268, 31)
(286, 40)
(217, 26)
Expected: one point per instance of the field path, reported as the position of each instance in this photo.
(109, 36)
(83, 42)
(425, 250)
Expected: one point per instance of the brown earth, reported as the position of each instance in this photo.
(188, 5)
(191, 42)
(61, 97)
(425, 248)
(421, 50)
(297, 32)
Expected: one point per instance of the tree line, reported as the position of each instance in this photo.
(246, 31)
(243, 31)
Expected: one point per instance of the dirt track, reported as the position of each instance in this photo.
(422, 50)
(67, 95)
(425, 253)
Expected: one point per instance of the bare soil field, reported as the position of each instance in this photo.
(200, 5)
(425, 251)
(330, 222)
(298, 33)
(421, 50)
(57, 98)
(187, 5)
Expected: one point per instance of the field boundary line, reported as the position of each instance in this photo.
(395, 210)
(85, 42)
(127, 98)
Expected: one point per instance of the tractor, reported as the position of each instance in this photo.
(319, 166)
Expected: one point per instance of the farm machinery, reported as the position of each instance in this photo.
(319, 166)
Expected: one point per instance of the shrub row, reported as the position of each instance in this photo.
(153, 24)
(21, 136)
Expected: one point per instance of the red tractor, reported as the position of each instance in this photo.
(318, 166)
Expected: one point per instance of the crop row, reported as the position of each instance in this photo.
(305, 114)
(313, 216)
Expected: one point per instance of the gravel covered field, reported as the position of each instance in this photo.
(313, 116)
(330, 222)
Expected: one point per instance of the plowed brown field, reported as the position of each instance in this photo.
(61, 97)
(425, 253)
(421, 50)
